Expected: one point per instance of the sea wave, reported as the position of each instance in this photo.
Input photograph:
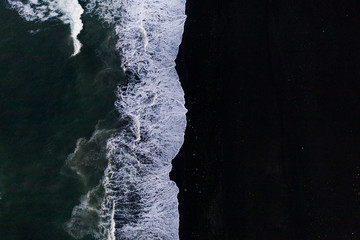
(69, 11)
(139, 200)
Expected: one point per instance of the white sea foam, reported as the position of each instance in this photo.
(69, 11)
(72, 11)
(139, 196)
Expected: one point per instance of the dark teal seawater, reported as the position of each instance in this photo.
(48, 101)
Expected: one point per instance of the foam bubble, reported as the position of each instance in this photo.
(69, 11)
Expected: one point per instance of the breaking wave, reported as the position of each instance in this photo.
(135, 198)
(69, 11)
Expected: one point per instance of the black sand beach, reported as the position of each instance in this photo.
(273, 138)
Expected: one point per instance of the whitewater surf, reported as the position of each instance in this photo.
(138, 200)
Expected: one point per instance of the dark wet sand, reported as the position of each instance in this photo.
(272, 148)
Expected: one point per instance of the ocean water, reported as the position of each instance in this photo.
(91, 115)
